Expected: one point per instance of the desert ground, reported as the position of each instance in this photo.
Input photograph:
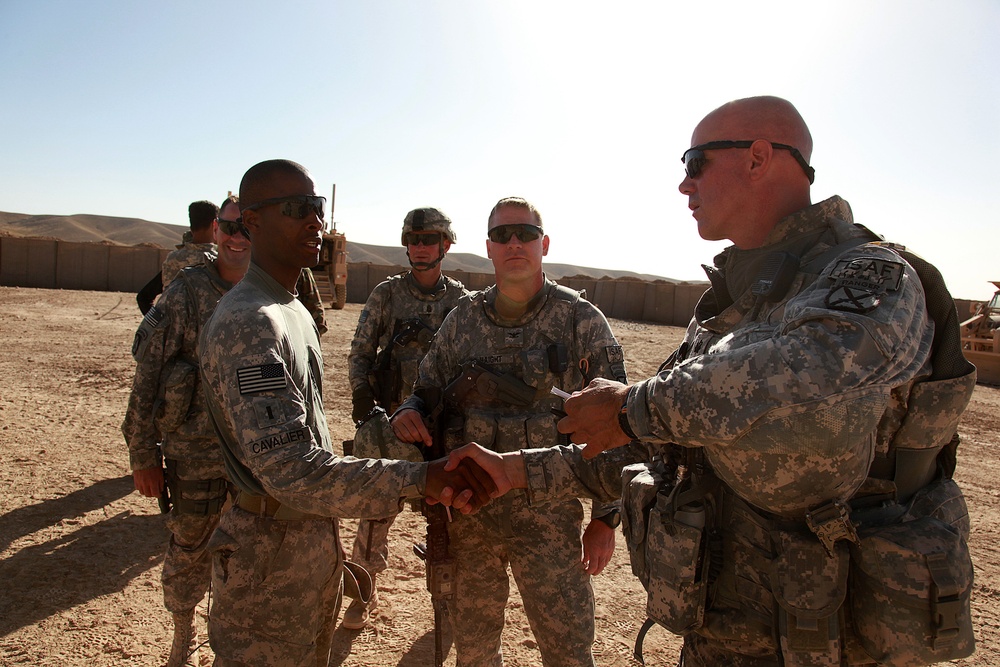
(80, 550)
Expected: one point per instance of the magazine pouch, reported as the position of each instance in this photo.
(809, 584)
(640, 485)
(677, 571)
(910, 588)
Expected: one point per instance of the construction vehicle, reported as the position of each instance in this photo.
(331, 272)
(981, 339)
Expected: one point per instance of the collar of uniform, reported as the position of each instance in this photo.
(421, 291)
(532, 309)
(269, 285)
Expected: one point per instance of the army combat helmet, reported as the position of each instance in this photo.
(427, 220)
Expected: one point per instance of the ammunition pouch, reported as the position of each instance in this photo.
(178, 395)
(201, 497)
(809, 583)
(911, 581)
(667, 548)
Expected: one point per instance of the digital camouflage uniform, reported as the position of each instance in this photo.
(308, 294)
(187, 254)
(541, 541)
(277, 571)
(819, 398)
(393, 302)
(167, 419)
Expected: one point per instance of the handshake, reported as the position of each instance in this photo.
(472, 476)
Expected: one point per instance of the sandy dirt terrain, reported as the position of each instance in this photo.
(80, 551)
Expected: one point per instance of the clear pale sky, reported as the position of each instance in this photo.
(136, 109)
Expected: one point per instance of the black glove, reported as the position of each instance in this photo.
(364, 402)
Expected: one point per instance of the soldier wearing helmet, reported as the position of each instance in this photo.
(394, 331)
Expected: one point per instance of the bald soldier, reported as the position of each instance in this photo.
(800, 509)
(277, 556)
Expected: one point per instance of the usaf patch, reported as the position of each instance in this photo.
(615, 354)
(266, 377)
(859, 284)
(268, 412)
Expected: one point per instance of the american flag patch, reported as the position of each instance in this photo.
(266, 377)
(153, 317)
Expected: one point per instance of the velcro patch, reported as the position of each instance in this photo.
(280, 440)
(268, 411)
(153, 317)
(511, 337)
(868, 274)
(859, 284)
(266, 377)
(615, 354)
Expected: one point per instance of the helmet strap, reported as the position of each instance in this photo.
(427, 266)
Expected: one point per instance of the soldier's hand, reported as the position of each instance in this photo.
(598, 546)
(149, 481)
(507, 470)
(466, 487)
(408, 425)
(592, 416)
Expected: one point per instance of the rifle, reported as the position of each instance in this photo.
(441, 567)
(404, 332)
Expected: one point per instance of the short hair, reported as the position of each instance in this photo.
(254, 186)
(516, 202)
(231, 199)
(201, 214)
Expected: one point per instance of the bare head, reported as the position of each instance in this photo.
(747, 169)
(284, 216)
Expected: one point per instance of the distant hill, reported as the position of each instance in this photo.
(81, 228)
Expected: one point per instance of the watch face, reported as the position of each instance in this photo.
(613, 518)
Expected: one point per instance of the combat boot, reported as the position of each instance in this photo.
(183, 651)
(358, 614)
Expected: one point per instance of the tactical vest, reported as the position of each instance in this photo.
(884, 575)
(528, 355)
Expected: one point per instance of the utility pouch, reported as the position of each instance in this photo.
(810, 585)
(909, 591)
(640, 484)
(677, 564)
(178, 394)
(375, 439)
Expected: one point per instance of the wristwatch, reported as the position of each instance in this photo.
(623, 421)
(612, 519)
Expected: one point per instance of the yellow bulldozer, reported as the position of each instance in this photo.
(331, 272)
(981, 339)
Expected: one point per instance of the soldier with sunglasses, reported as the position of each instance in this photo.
(278, 563)
(538, 336)
(393, 333)
(166, 422)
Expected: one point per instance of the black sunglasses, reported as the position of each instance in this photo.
(426, 238)
(295, 207)
(524, 233)
(232, 227)
(694, 158)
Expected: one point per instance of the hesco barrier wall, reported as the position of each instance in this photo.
(102, 267)
(658, 302)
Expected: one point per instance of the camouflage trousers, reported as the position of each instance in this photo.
(276, 590)
(371, 544)
(187, 569)
(541, 545)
